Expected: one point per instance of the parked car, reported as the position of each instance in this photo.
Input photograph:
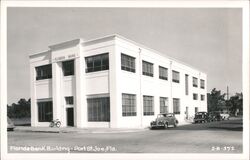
(214, 116)
(163, 120)
(10, 125)
(201, 117)
(224, 115)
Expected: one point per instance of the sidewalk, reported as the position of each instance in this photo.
(77, 130)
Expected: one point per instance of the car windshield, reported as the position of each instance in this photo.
(161, 115)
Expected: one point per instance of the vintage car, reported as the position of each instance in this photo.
(201, 117)
(224, 115)
(163, 120)
(10, 124)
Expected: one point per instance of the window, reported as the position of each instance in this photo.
(148, 105)
(176, 76)
(147, 69)
(202, 97)
(176, 105)
(69, 100)
(186, 84)
(45, 111)
(163, 105)
(163, 73)
(196, 109)
(128, 105)
(98, 109)
(202, 83)
(127, 63)
(195, 96)
(44, 72)
(68, 68)
(97, 63)
(195, 82)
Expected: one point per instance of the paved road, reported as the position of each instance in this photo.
(214, 137)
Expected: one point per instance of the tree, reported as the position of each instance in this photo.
(215, 100)
(235, 103)
(19, 110)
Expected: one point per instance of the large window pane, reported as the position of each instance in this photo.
(68, 68)
(195, 82)
(45, 111)
(127, 63)
(202, 83)
(148, 105)
(175, 76)
(163, 73)
(147, 69)
(176, 105)
(163, 105)
(44, 72)
(128, 105)
(97, 63)
(98, 109)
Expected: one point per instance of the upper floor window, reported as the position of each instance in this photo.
(68, 68)
(44, 72)
(97, 62)
(202, 83)
(128, 105)
(195, 82)
(202, 97)
(176, 105)
(186, 84)
(147, 68)
(163, 73)
(195, 96)
(127, 63)
(176, 76)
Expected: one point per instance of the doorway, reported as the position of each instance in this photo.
(70, 116)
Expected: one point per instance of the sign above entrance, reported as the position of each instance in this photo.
(65, 57)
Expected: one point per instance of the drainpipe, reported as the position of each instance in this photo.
(140, 74)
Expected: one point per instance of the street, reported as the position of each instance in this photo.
(213, 137)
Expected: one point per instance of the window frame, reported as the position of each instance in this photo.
(67, 65)
(161, 73)
(177, 75)
(129, 105)
(148, 105)
(164, 108)
(69, 100)
(95, 106)
(195, 95)
(147, 68)
(202, 83)
(195, 82)
(46, 70)
(176, 109)
(128, 63)
(103, 57)
(47, 107)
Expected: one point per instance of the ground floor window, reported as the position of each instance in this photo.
(98, 109)
(163, 105)
(196, 109)
(148, 105)
(128, 105)
(45, 111)
(176, 105)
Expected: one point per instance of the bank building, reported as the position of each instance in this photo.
(111, 82)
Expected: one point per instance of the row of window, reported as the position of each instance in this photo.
(101, 62)
(129, 105)
(99, 108)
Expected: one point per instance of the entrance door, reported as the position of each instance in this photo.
(70, 116)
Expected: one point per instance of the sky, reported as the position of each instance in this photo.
(209, 39)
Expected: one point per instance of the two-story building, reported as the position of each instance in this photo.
(111, 82)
